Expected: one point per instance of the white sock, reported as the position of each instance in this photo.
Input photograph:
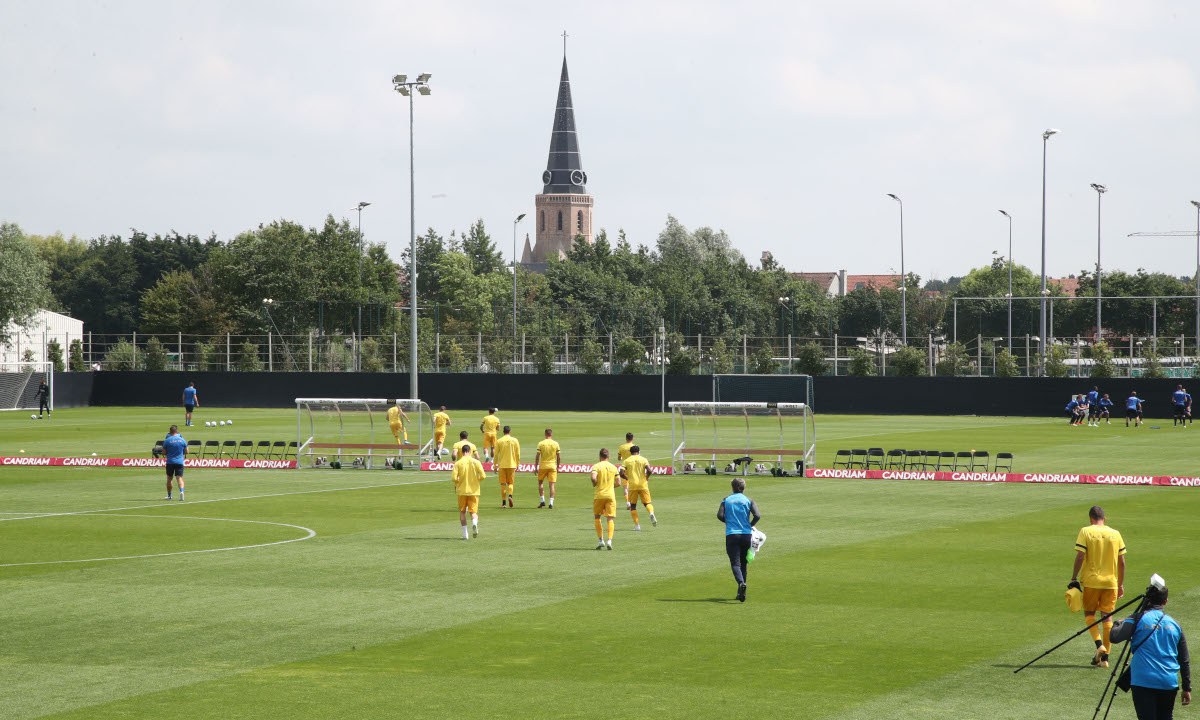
(465, 534)
(543, 498)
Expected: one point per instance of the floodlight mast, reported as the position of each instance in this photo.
(1042, 306)
(1100, 190)
(401, 84)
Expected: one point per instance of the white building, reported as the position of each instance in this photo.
(35, 335)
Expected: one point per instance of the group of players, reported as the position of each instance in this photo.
(1094, 406)
(504, 451)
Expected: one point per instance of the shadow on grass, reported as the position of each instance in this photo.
(569, 549)
(1050, 666)
(707, 600)
(434, 539)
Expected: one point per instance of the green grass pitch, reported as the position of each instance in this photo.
(871, 599)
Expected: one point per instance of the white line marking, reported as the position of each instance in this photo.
(29, 516)
(310, 534)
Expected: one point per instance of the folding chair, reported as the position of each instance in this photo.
(278, 449)
(263, 445)
(194, 448)
(246, 446)
(841, 459)
(933, 460)
(229, 447)
(214, 445)
(945, 460)
(292, 449)
(158, 450)
(858, 458)
(875, 458)
(914, 459)
(962, 460)
(1004, 462)
(895, 460)
(979, 460)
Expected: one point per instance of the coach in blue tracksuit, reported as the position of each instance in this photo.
(1160, 658)
(740, 515)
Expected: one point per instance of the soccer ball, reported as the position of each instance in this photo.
(228, 422)
(33, 417)
(444, 452)
(222, 423)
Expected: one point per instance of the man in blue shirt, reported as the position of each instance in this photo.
(175, 448)
(740, 515)
(190, 400)
(1187, 414)
(1073, 410)
(1160, 656)
(1179, 400)
(1106, 404)
(1133, 409)
(1093, 399)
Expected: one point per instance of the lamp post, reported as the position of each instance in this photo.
(401, 84)
(1042, 307)
(1010, 292)
(1197, 204)
(1100, 190)
(903, 278)
(662, 361)
(358, 348)
(514, 272)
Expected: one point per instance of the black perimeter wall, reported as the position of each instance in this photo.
(874, 395)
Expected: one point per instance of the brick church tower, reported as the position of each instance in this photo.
(563, 210)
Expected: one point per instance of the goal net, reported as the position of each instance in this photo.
(742, 437)
(355, 433)
(763, 388)
(19, 382)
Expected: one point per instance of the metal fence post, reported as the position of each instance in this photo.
(228, 353)
(179, 342)
(835, 355)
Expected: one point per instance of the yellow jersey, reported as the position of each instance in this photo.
(508, 452)
(606, 478)
(490, 424)
(467, 475)
(440, 421)
(456, 453)
(394, 417)
(1101, 546)
(623, 451)
(547, 452)
(637, 471)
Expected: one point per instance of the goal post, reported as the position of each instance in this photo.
(19, 382)
(742, 437)
(354, 432)
(763, 388)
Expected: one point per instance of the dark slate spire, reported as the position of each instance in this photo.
(564, 168)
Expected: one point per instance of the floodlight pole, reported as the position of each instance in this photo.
(1100, 190)
(401, 85)
(1010, 292)
(1042, 323)
(514, 272)
(358, 346)
(903, 278)
(662, 362)
(1197, 204)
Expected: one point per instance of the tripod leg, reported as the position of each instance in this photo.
(1085, 629)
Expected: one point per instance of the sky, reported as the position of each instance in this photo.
(784, 124)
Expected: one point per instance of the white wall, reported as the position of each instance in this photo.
(43, 327)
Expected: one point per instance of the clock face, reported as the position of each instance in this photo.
(546, 178)
(577, 177)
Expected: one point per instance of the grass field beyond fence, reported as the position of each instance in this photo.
(321, 593)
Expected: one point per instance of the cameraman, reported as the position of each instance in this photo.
(1160, 657)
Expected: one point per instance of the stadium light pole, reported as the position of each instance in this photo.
(662, 361)
(1010, 292)
(1042, 323)
(514, 272)
(903, 278)
(358, 348)
(401, 84)
(1100, 190)
(1197, 204)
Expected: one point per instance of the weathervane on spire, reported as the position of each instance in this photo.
(564, 36)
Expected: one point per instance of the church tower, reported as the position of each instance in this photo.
(563, 210)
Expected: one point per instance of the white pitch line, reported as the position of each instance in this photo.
(33, 516)
(311, 534)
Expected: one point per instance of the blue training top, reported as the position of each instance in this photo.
(189, 395)
(175, 446)
(1093, 397)
(1179, 397)
(1156, 662)
(740, 514)
(1133, 402)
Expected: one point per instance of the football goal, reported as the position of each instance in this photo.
(354, 433)
(742, 437)
(763, 388)
(19, 382)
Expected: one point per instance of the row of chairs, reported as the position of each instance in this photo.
(968, 460)
(248, 449)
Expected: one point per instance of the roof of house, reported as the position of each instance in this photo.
(1069, 285)
(822, 280)
(854, 282)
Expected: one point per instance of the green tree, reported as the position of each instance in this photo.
(631, 354)
(155, 355)
(1056, 361)
(477, 245)
(810, 360)
(248, 359)
(954, 361)
(206, 357)
(862, 363)
(454, 357)
(762, 361)
(908, 361)
(1152, 365)
(720, 357)
(181, 302)
(591, 357)
(498, 350)
(23, 288)
(1006, 364)
(54, 353)
(1102, 361)
(543, 355)
(76, 356)
(371, 359)
(681, 359)
(122, 356)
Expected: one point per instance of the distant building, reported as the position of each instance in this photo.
(837, 284)
(36, 334)
(1068, 285)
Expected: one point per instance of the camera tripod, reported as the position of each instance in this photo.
(1100, 620)
(1119, 667)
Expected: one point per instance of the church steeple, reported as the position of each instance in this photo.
(564, 167)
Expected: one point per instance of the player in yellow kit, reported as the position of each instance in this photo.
(604, 500)
(396, 419)
(636, 473)
(1100, 554)
(467, 476)
(508, 456)
(456, 452)
(622, 453)
(489, 426)
(440, 421)
(549, 457)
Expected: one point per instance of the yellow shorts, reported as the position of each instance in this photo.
(507, 475)
(606, 507)
(470, 503)
(1102, 599)
(641, 493)
(548, 474)
(398, 430)
(439, 436)
(489, 441)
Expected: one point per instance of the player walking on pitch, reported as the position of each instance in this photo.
(467, 476)
(458, 450)
(175, 448)
(43, 398)
(191, 400)
(740, 515)
(508, 456)
(604, 500)
(635, 471)
(549, 457)
(488, 427)
(622, 453)
(396, 418)
(1100, 555)
(440, 422)
(1133, 409)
